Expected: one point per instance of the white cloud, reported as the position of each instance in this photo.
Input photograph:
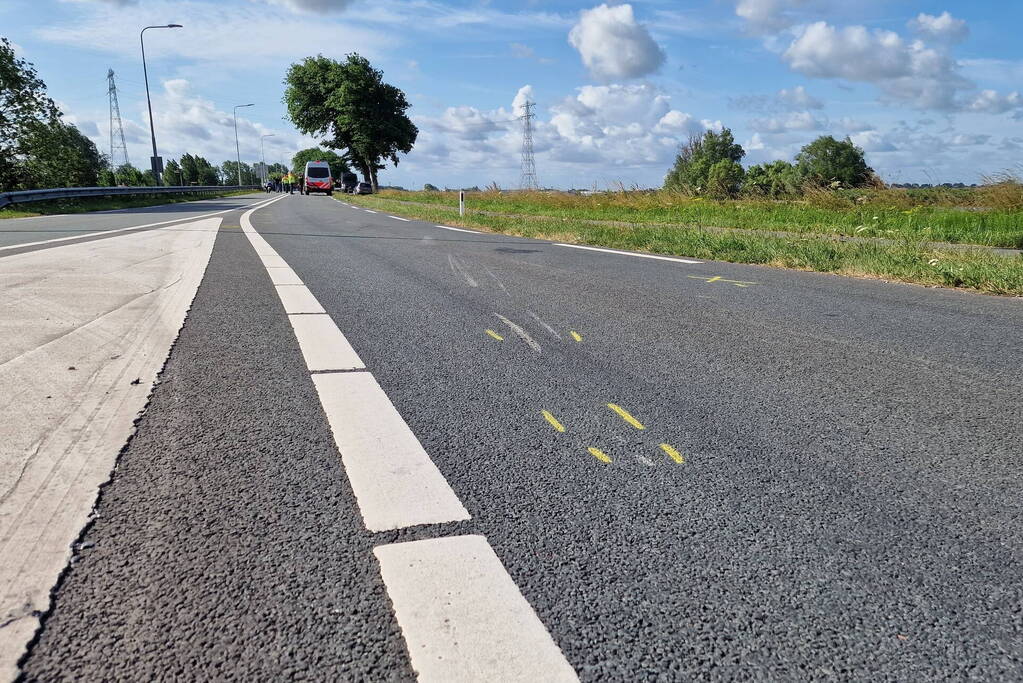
(872, 141)
(767, 16)
(796, 121)
(907, 72)
(798, 98)
(313, 6)
(943, 28)
(969, 140)
(991, 102)
(613, 46)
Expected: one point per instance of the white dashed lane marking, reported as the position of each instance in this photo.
(461, 614)
(398, 218)
(444, 227)
(627, 253)
(463, 617)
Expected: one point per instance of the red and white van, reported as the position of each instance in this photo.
(317, 178)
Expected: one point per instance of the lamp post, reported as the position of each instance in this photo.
(262, 157)
(156, 162)
(237, 149)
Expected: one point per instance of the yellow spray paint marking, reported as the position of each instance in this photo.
(598, 454)
(673, 454)
(624, 414)
(575, 335)
(718, 278)
(553, 420)
(495, 335)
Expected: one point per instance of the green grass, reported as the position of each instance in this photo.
(903, 260)
(892, 215)
(87, 204)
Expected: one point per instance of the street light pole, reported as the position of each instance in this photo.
(155, 162)
(262, 156)
(237, 149)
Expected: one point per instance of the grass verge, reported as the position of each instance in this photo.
(886, 215)
(88, 204)
(903, 261)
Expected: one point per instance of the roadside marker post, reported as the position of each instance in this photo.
(461, 202)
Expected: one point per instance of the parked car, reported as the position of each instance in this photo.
(349, 181)
(363, 188)
(317, 178)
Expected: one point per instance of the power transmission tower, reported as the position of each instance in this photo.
(528, 179)
(118, 149)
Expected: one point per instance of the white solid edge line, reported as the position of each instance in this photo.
(628, 253)
(114, 232)
(323, 345)
(298, 299)
(369, 211)
(445, 227)
(396, 484)
(462, 616)
(399, 218)
(284, 276)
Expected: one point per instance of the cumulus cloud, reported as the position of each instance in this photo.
(943, 28)
(613, 45)
(313, 6)
(796, 121)
(767, 16)
(909, 72)
(786, 100)
(798, 98)
(991, 102)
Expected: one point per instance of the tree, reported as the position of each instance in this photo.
(775, 180)
(349, 103)
(172, 174)
(128, 175)
(336, 162)
(430, 188)
(37, 148)
(724, 179)
(56, 154)
(696, 158)
(229, 174)
(826, 161)
(196, 170)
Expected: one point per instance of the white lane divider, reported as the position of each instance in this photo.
(627, 253)
(284, 276)
(298, 299)
(395, 482)
(323, 346)
(399, 218)
(134, 227)
(369, 211)
(444, 227)
(460, 612)
(462, 615)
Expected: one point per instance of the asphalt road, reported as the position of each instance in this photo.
(18, 235)
(847, 506)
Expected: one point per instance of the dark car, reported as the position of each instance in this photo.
(363, 188)
(349, 181)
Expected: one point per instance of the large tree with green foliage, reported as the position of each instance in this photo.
(37, 148)
(336, 161)
(708, 165)
(827, 161)
(776, 180)
(349, 104)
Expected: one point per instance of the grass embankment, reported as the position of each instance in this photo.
(88, 204)
(904, 256)
(954, 216)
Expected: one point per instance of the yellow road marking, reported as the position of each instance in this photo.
(575, 335)
(495, 335)
(718, 278)
(673, 454)
(624, 414)
(598, 454)
(553, 420)
(714, 279)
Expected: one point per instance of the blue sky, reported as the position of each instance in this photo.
(928, 89)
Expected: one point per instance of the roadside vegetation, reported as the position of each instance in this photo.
(88, 204)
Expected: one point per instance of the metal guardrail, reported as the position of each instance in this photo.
(8, 198)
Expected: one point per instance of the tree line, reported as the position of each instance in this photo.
(710, 165)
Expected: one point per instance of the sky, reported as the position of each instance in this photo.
(928, 89)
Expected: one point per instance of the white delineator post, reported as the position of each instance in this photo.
(461, 202)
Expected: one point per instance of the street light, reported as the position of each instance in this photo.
(237, 150)
(156, 161)
(262, 157)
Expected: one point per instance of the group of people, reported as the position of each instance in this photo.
(286, 183)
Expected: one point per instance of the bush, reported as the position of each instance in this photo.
(774, 180)
(827, 162)
(430, 188)
(724, 179)
(692, 170)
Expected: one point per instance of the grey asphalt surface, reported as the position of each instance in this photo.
(14, 231)
(849, 507)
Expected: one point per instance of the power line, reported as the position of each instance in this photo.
(527, 181)
(118, 148)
